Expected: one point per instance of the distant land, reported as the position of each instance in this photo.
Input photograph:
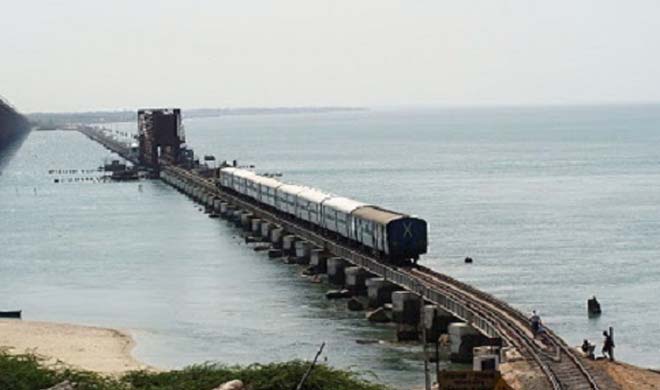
(54, 119)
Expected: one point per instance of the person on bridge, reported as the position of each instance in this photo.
(608, 346)
(535, 319)
(588, 349)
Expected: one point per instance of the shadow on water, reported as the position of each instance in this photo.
(8, 151)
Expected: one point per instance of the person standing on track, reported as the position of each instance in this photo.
(608, 346)
(535, 319)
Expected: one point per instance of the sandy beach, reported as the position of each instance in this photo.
(101, 350)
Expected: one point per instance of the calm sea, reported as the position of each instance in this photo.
(555, 205)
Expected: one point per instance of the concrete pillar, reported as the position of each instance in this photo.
(319, 260)
(336, 267)
(289, 244)
(276, 236)
(256, 226)
(431, 323)
(464, 338)
(223, 208)
(238, 217)
(379, 291)
(486, 358)
(406, 308)
(443, 320)
(246, 220)
(230, 212)
(303, 249)
(356, 280)
(266, 228)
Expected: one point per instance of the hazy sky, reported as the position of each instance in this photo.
(74, 55)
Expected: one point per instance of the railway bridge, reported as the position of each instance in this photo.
(499, 323)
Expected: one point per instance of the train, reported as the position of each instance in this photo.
(393, 237)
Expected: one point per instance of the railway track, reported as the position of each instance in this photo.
(563, 368)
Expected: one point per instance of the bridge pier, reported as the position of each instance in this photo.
(266, 228)
(356, 280)
(289, 244)
(276, 236)
(255, 226)
(406, 308)
(209, 201)
(223, 209)
(436, 321)
(463, 339)
(303, 250)
(379, 291)
(228, 213)
(336, 267)
(318, 260)
(216, 205)
(245, 220)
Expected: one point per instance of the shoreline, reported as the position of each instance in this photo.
(90, 348)
(107, 351)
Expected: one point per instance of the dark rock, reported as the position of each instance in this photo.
(309, 271)
(354, 305)
(337, 294)
(302, 260)
(378, 315)
(367, 341)
(261, 247)
(593, 307)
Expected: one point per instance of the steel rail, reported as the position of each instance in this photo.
(483, 311)
(490, 310)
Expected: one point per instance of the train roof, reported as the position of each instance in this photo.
(377, 214)
(293, 189)
(244, 173)
(267, 181)
(314, 195)
(345, 205)
(228, 170)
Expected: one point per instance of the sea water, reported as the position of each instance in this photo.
(555, 204)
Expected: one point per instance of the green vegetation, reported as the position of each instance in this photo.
(25, 372)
